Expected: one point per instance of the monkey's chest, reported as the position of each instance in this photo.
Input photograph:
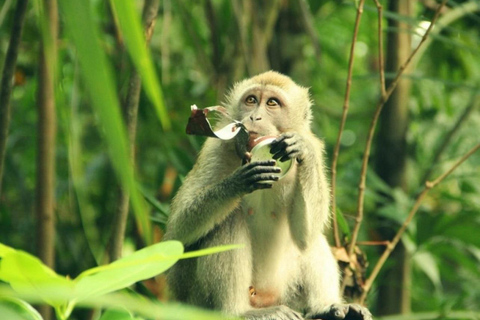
(273, 250)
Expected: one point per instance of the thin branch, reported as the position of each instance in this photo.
(342, 122)
(474, 103)
(428, 185)
(381, 66)
(6, 84)
(373, 243)
(371, 131)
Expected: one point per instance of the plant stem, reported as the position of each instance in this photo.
(342, 122)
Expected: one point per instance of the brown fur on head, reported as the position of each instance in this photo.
(297, 98)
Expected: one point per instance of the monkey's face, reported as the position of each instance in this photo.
(264, 110)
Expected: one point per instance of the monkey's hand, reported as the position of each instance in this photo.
(254, 176)
(289, 145)
(341, 312)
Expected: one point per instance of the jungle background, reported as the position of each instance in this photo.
(65, 167)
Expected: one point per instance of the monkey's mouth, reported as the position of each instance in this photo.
(253, 135)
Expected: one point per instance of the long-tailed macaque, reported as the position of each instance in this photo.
(286, 269)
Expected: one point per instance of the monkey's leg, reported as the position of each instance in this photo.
(322, 287)
(224, 278)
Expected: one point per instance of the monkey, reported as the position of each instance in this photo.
(286, 269)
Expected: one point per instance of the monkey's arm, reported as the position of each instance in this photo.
(212, 191)
(310, 207)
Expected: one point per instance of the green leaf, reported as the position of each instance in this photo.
(208, 251)
(131, 27)
(5, 250)
(26, 273)
(426, 262)
(342, 223)
(113, 314)
(16, 309)
(97, 75)
(133, 303)
(141, 265)
(163, 210)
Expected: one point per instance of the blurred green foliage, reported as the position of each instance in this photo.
(197, 58)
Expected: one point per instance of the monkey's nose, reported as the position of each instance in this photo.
(255, 118)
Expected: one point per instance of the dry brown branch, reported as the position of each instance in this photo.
(428, 185)
(371, 131)
(373, 243)
(381, 67)
(344, 119)
(7, 75)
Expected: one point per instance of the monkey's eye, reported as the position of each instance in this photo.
(251, 100)
(272, 102)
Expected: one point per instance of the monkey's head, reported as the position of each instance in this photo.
(270, 104)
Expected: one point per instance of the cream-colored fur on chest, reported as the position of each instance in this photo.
(273, 251)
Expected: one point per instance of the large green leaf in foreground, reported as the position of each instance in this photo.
(35, 282)
(141, 265)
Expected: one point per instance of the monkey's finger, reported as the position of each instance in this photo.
(285, 145)
(262, 185)
(269, 163)
(291, 153)
(281, 142)
(280, 138)
(262, 170)
(280, 153)
(285, 155)
(259, 178)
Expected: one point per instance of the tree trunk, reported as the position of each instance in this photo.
(391, 156)
(45, 188)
